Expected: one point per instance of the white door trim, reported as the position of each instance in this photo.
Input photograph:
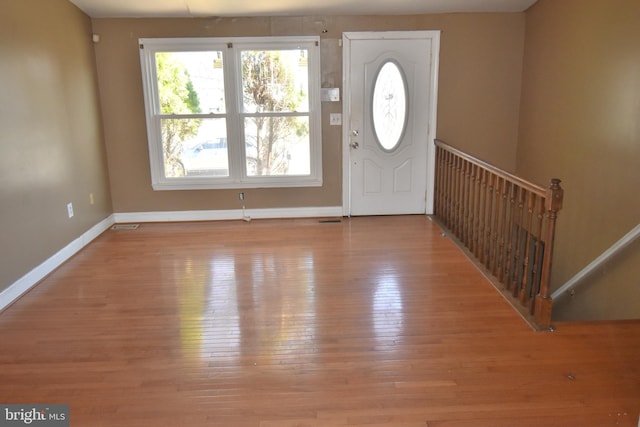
(347, 37)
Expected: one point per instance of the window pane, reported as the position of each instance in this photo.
(389, 105)
(190, 82)
(271, 135)
(194, 147)
(277, 146)
(275, 80)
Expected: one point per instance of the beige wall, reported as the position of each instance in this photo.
(51, 147)
(580, 121)
(479, 96)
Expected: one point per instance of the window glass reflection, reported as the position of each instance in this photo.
(388, 314)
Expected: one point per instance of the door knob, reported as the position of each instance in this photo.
(355, 144)
(355, 132)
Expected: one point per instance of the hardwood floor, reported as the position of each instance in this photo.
(371, 322)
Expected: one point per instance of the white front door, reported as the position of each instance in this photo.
(388, 98)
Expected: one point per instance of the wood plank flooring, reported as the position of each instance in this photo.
(373, 322)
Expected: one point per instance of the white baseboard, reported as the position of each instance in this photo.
(26, 282)
(216, 215)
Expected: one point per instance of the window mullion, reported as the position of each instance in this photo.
(192, 116)
(236, 150)
(276, 114)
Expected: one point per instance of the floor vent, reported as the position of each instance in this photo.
(125, 226)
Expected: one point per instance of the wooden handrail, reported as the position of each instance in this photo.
(504, 223)
(493, 169)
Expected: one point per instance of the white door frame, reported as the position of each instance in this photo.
(347, 37)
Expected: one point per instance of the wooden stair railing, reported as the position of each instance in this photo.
(504, 223)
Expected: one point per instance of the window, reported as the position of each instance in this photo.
(232, 113)
(389, 106)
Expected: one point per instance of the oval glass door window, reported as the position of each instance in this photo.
(389, 105)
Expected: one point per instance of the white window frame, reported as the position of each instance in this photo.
(231, 48)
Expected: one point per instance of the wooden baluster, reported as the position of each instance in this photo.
(496, 225)
(473, 209)
(506, 190)
(524, 292)
(463, 199)
(510, 238)
(439, 209)
(516, 276)
(450, 198)
(482, 181)
(445, 186)
(538, 252)
(463, 212)
(483, 216)
(542, 309)
(478, 198)
(488, 220)
(436, 183)
(462, 194)
(483, 221)
(458, 195)
(452, 194)
(467, 212)
(449, 179)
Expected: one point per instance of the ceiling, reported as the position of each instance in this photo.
(207, 8)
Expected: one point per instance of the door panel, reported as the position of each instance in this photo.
(388, 181)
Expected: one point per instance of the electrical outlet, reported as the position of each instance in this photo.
(335, 119)
(70, 210)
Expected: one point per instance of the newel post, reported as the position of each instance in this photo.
(553, 203)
